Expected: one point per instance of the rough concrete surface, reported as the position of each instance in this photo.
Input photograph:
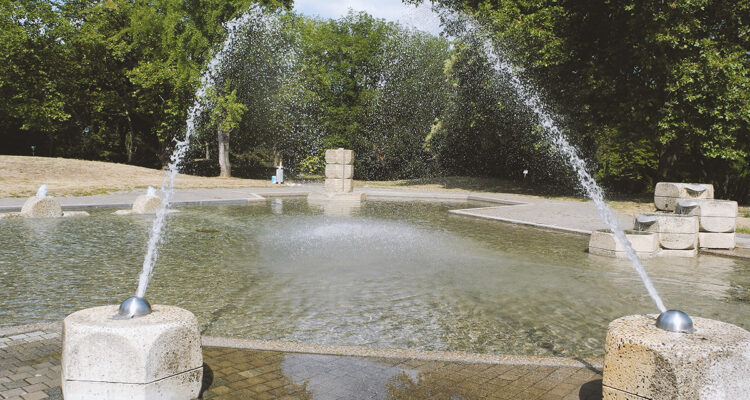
(45, 207)
(156, 353)
(645, 361)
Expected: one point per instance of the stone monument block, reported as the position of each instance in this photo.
(642, 361)
(604, 243)
(715, 215)
(339, 185)
(711, 240)
(339, 171)
(41, 207)
(156, 356)
(339, 156)
(667, 194)
(676, 232)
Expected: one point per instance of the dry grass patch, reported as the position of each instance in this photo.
(21, 176)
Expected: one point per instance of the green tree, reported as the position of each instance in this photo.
(650, 90)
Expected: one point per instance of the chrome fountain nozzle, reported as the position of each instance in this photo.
(675, 321)
(133, 307)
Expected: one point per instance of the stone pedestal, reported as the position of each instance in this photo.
(604, 243)
(41, 207)
(667, 194)
(154, 357)
(642, 361)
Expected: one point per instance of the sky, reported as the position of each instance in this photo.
(392, 10)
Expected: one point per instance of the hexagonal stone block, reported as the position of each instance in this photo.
(41, 207)
(642, 361)
(339, 156)
(710, 240)
(157, 356)
(339, 171)
(667, 194)
(604, 243)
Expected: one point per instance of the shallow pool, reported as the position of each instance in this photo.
(386, 274)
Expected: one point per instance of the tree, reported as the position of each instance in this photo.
(651, 90)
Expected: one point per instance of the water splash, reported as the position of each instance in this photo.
(42, 192)
(233, 28)
(151, 192)
(531, 99)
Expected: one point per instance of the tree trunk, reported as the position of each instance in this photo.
(129, 148)
(224, 165)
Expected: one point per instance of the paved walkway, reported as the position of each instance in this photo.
(30, 369)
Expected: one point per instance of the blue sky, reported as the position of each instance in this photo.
(391, 10)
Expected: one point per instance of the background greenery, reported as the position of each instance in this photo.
(648, 91)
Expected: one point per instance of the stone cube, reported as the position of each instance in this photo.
(157, 356)
(710, 240)
(642, 361)
(41, 207)
(676, 232)
(339, 156)
(339, 185)
(339, 171)
(667, 194)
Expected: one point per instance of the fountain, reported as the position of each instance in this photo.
(42, 206)
(652, 357)
(138, 351)
(148, 203)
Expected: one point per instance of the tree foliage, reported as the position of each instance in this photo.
(651, 90)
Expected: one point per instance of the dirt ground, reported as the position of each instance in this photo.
(21, 176)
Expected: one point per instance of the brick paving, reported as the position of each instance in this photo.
(30, 370)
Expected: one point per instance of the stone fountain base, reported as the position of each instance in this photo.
(642, 361)
(157, 356)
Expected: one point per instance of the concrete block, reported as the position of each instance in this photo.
(707, 208)
(718, 224)
(44, 207)
(710, 240)
(684, 190)
(339, 171)
(145, 204)
(604, 243)
(666, 194)
(665, 203)
(339, 156)
(678, 241)
(678, 253)
(157, 356)
(339, 185)
(645, 362)
(676, 232)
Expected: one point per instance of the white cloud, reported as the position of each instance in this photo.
(392, 10)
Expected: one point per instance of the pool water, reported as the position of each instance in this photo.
(401, 274)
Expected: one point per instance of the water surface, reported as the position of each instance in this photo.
(387, 274)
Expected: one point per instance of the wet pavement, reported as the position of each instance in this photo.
(30, 369)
